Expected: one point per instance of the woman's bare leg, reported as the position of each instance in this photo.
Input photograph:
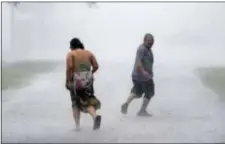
(92, 112)
(76, 116)
(96, 118)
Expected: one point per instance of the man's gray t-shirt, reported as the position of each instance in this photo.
(145, 56)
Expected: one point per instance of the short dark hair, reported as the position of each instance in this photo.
(148, 34)
(75, 43)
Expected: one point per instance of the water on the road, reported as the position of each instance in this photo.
(184, 110)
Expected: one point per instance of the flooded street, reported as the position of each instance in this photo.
(184, 110)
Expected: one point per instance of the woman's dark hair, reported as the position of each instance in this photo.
(75, 43)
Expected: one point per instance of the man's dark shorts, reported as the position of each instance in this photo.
(143, 87)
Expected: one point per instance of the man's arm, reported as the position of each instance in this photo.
(94, 63)
(69, 67)
(139, 56)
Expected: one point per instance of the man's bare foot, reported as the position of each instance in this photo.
(144, 114)
(77, 128)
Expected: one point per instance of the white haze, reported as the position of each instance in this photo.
(185, 33)
(187, 36)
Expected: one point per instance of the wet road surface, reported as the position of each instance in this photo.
(183, 109)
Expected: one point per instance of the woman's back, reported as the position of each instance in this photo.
(81, 60)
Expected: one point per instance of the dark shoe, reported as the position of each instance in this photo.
(124, 108)
(97, 122)
(144, 113)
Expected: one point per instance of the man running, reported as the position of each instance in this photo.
(142, 77)
(79, 81)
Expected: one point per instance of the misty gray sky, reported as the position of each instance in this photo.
(184, 32)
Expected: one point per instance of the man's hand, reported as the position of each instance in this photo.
(146, 75)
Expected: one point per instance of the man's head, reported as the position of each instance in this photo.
(75, 43)
(148, 40)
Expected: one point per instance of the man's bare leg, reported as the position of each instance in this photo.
(76, 116)
(128, 101)
(96, 118)
(142, 111)
(149, 90)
